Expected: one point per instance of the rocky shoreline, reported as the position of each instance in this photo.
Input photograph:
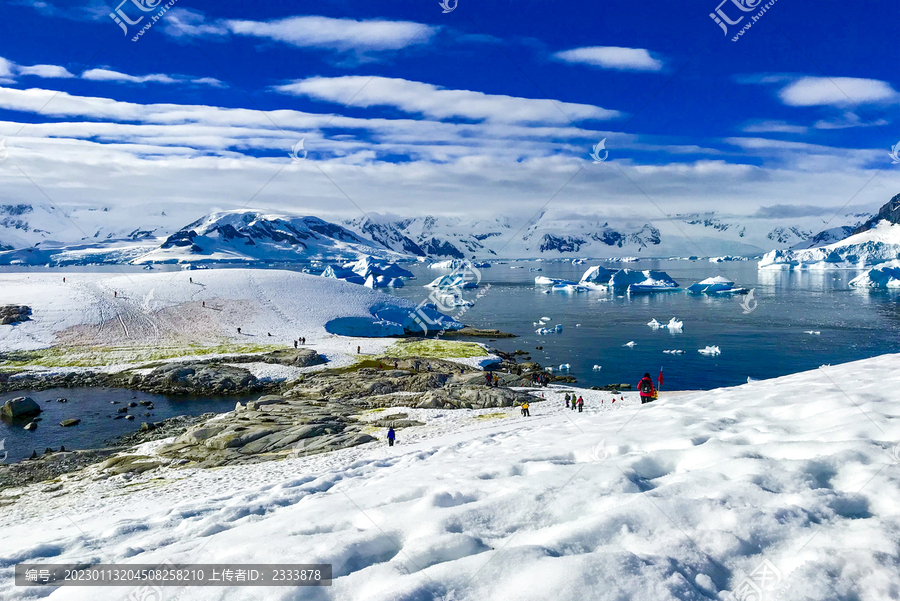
(318, 413)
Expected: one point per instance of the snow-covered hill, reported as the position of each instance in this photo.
(786, 486)
(198, 308)
(868, 248)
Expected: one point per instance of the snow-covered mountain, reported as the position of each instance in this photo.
(250, 236)
(561, 235)
(24, 225)
(865, 249)
(37, 234)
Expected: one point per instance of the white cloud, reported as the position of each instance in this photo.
(6, 70)
(307, 31)
(439, 103)
(780, 127)
(337, 34)
(46, 71)
(837, 91)
(612, 57)
(109, 75)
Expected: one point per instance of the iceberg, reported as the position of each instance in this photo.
(339, 273)
(655, 324)
(565, 367)
(597, 368)
(367, 265)
(578, 261)
(712, 351)
(597, 275)
(382, 281)
(715, 285)
(629, 344)
(643, 281)
(545, 281)
(884, 276)
(481, 265)
(880, 244)
(450, 264)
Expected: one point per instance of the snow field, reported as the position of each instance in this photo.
(678, 499)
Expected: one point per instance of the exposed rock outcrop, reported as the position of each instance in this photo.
(14, 314)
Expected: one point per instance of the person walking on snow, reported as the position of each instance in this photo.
(645, 386)
(574, 403)
(525, 412)
(358, 350)
(391, 436)
(295, 344)
(580, 404)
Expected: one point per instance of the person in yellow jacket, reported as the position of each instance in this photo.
(525, 412)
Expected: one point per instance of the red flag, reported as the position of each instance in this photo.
(660, 378)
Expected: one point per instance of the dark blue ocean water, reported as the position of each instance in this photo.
(768, 342)
(94, 407)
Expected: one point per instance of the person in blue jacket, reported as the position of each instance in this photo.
(391, 436)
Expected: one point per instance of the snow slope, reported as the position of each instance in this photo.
(151, 308)
(871, 247)
(680, 499)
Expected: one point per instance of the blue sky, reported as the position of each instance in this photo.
(490, 108)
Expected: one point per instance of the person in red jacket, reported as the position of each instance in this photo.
(645, 386)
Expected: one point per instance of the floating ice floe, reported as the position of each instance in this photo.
(885, 276)
(565, 367)
(556, 330)
(726, 259)
(558, 285)
(674, 352)
(452, 281)
(629, 344)
(545, 319)
(674, 325)
(813, 332)
(481, 265)
(578, 261)
(597, 368)
(577, 325)
(643, 281)
(550, 369)
(453, 300)
(710, 350)
(715, 285)
(516, 267)
(535, 269)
